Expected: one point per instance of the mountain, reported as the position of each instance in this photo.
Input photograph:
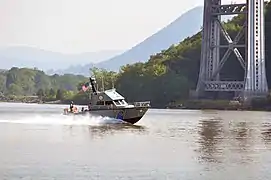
(21, 56)
(73, 69)
(53, 62)
(83, 69)
(186, 25)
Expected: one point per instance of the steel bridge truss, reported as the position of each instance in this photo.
(253, 62)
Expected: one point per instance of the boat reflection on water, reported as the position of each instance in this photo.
(112, 129)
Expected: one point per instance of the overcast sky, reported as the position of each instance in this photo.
(75, 26)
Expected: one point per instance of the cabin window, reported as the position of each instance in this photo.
(100, 103)
(120, 102)
(108, 103)
(117, 102)
(123, 101)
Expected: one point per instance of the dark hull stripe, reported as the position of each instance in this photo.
(129, 120)
(133, 120)
(103, 109)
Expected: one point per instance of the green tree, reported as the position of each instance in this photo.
(60, 94)
(52, 93)
(40, 93)
(14, 89)
(104, 78)
(30, 81)
(2, 83)
(68, 95)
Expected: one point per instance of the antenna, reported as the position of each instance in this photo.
(92, 82)
(112, 83)
(102, 83)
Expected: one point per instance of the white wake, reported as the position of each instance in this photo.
(59, 120)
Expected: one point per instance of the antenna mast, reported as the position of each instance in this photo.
(113, 87)
(102, 83)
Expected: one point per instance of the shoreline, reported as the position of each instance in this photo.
(59, 102)
(32, 101)
(263, 104)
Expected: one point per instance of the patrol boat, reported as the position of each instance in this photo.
(110, 103)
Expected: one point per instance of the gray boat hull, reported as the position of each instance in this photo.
(129, 115)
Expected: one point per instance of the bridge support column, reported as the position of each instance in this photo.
(252, 60)
(255, 80)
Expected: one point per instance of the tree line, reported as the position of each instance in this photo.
(34, 82)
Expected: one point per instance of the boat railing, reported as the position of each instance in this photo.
(142, 104)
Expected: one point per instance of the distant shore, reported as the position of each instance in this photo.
(259, 105)
(37, 100)
(27, 99)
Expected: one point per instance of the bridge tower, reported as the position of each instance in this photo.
(252, 61)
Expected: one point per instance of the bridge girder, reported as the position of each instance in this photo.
(253, 62)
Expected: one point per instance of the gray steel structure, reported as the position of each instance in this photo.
(255, 83)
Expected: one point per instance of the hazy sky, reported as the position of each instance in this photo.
(74, 26)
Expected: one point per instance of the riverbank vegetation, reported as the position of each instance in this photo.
(33, 85)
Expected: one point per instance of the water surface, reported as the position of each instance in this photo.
(38, 142)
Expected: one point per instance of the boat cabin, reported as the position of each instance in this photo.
(108, 98)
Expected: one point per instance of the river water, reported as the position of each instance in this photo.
(38, 142)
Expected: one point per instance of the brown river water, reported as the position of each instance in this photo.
(38, 142)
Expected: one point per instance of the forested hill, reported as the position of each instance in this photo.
(169, 75)
(29, 82)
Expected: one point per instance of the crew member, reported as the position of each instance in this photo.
(71, 106)
(89, 106)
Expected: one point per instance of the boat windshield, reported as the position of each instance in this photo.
(107, 103)
(120, 102)
(117, 102)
